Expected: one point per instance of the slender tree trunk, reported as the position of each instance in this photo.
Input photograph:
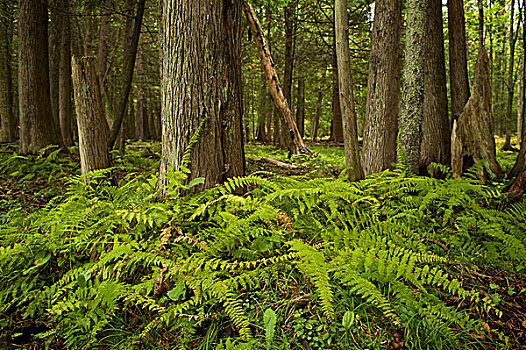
(7, 113)
(93, 130)
(436, 141)
(201, 78)
(383, 92)
(520, 101)
(130, 53)
(411, 117)
(54, 32)
(508, 120)
(297, 144)
(343, 57)
(300, 106)
(481, 23)
(316, 120)
(38, 128)
(261, 128)
(65, 88)
(458, 63)
(288, 58)
(102, 52)
(336, 123)
(139, 116)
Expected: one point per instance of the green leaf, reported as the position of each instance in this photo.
(196, 181)
(269, 319)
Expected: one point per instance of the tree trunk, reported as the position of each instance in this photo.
(54, 32)
(436, 141)
(38, 128)
(383, 92)
(65, 88)
(300, 106)
(508, 120)
(288, 69)
(93, 130)
(261, 128)
(336, 123)
(458, 63)
(201, 78)
(130, 53)
(7, 113)
(472, 137)
(297, 145)
(102, 52)
(316, 120)
(139, 116)
(412, 114)
(343, 58)
(520, 101)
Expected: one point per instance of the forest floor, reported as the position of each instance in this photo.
(30, 185)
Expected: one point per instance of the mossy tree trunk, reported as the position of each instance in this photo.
(383, 91)
(92, 126)
(412, 114)
(201, 78)
(343, 58)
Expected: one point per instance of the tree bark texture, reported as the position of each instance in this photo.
(130, 54)
(412, 114)
(92, 126)
(54, 33)
(383, 92)
(343, 57)
(336, 122)
(316, 120)
(7, 113)
(520, 101)
(65, 87)
(472, 137)
(201, 78)
(297, 145)
(458, 66)
(38, 128)
(300, 106)
(288, 69)
(436, 131)
(102, 51)
(520, 164)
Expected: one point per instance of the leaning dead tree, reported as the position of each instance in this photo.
(281, 103)
(472, 137)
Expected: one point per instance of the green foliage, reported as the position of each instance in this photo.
(107, 265)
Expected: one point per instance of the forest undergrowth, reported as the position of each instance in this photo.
(278, 259)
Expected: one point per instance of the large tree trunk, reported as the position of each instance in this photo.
(38, 128)
(130, 53)
(201, 78)
(411, 117)
(383, 92)
(102, 51)
(343, 58)
(54, 32)
(436, 141)
(297, 145)
(458, 63)
(93, 130)
(508, 120)
(65, 88)
(7, 113)
(300, 106)
(336, 122)
(472, 137)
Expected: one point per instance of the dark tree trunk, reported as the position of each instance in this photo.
(316, 120)
(288, 69)
(130, 53)
(436, 141)
(139, 116)
(201, 78)
(65, 88)
(261, 134)
(7, 113)
(458, 64)
(38, 128)
(102, 52)
(383, 92)
(343, 58)
(93, 130)
(300, 106)
(54, 32)
(336, 123)
(411, 117)
(472, 137)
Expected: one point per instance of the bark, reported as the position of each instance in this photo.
(412, 114)
(316, 121)
(54, 32)
(7, 113)
(261, 135)
(130, 53)
(201, 78)
(436, 141)
(288, 69)
(38, 128)
(520, 164)
(139, 116)
(92, 127)
(458, 71)
(336, 123)
(383, 92)
(65, 88)
(102, 51)
(472, 137)
(297, 145)
(520, 99)
(343, 58)
(508, 120)
(481, 23)
(300, 106)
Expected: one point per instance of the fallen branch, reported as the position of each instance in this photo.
(278, 163)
